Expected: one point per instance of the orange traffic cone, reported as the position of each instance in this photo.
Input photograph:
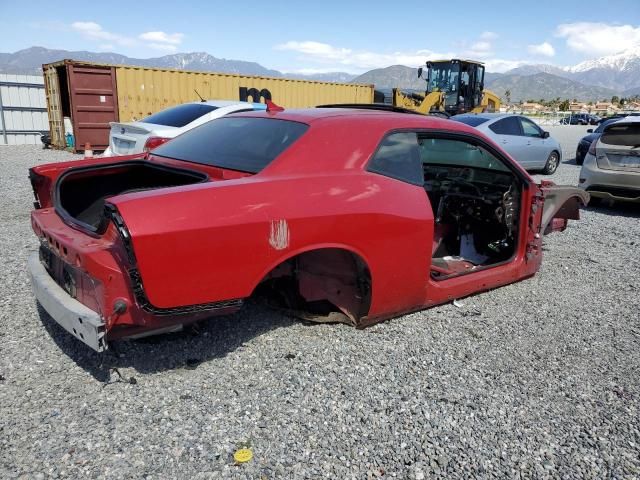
(88, 153)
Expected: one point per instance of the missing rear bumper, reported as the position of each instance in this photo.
(77, 319)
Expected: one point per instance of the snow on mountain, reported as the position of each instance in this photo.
(619, 72)
(620, 61)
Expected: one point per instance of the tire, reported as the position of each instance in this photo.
(552, 163)
(579, 158)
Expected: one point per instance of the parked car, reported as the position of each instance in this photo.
(587, 140)
(347, 214)
(520, 137)
(137, 137)
(611, 168)
(580, 119)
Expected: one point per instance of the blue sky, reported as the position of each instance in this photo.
(331, 35)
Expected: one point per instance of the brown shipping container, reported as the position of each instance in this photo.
(93, 95)
(86, 94)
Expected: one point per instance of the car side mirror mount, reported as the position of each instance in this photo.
(419, 72)
(590, 130)
(545, 134)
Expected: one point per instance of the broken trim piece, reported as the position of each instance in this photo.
(561, 203)
(143, 301)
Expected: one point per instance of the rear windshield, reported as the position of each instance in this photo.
(237, 143)
(604, 124)
(473, 121)
(180, 115)
(626, 134)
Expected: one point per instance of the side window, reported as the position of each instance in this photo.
(506, 126)
(398, 157)
(529, 128)
(444, 151)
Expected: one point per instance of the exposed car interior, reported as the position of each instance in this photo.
(474, 195)
(476, 203)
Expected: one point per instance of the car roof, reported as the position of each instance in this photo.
(629, 119)
(489, 115)
(339, 114)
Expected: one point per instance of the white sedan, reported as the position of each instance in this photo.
(148, 133)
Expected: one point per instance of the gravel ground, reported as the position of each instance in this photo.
(537, 379)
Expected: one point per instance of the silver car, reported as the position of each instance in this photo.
(611, 168)
(520, 137)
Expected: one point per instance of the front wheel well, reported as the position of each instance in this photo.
(326, 284)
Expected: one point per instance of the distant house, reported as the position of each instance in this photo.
(530, 108)
(632, 106)
(604, 108)
(578, 107)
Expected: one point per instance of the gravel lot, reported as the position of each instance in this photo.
(536, 379)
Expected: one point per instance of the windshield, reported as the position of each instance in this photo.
(180, 115)
(443, 77)
(471, 120)
(603, 124)
(246, 144)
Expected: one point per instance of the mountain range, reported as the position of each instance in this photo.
(29, 62)
(522, 86)
(591, 80)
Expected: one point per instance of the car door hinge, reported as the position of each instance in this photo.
(533, 248)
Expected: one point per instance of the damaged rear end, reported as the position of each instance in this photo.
(85, 272)
(139, 245)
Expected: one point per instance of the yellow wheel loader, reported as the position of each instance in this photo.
(453, 86)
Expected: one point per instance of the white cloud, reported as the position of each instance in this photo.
(480, 49)
(94, 31)
(167, 42)
(331, 58)
(337, 58)
(498, 65)
(162, 37)
(598, 38)
(544, 49)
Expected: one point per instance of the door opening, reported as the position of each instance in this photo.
(476, 200)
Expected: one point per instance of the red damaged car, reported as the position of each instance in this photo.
(339, 214)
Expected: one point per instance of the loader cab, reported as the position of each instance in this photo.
(461, 81)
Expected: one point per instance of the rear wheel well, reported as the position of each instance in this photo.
(325, 285)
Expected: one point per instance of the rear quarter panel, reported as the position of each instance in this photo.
(217, 241)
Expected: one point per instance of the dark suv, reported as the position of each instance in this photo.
(580, 119)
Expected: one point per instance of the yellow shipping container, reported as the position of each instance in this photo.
(90, 95)
(143, 91)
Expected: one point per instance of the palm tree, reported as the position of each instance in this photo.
(507, 95)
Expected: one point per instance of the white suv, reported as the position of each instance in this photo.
(611, 168)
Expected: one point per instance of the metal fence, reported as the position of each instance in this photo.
(23, 109)
(543, 118)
